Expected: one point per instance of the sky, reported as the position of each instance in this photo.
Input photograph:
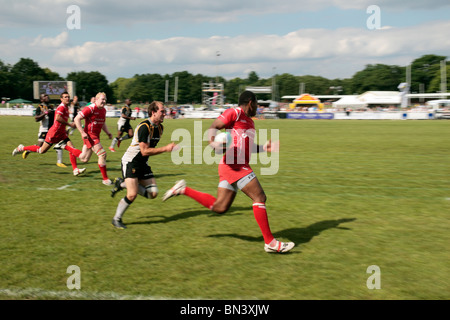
(329, 38)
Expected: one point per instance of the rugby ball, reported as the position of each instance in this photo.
(223, 138)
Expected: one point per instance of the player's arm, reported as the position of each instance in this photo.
(269, 146)
(147, 151)
(124, 115)
(215, 127)
(142, 135)
(39, 114)
(61, 120)
(105, 128)
(79, 126)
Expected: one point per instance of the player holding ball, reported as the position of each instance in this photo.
(235, 172)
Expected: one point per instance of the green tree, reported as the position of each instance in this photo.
(233, 88)
(378, 77)
(6, 82)
(423, 70)
(287, 84)
(119, 88)
(315, 84)
(435, 83)
(252, 78)
(23, 73)
(88, 84)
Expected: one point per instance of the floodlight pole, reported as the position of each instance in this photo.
(217, 66)
(443, 77)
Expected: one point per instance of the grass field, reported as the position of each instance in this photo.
(350, 194)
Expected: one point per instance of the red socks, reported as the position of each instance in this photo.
(73, 161)
(205, 199)
(103, 171)
(259, 210)
(73, 151)
(31, 148)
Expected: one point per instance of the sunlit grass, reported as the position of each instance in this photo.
(350, 194)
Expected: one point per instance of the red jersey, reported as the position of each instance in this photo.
(235, 163)
(58, 128)
(95, 119)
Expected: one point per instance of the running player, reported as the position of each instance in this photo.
(137, 174)
(95, 121)
(235, 172)
(56, 134)
(75, 106)
(45, 114)
(123, 125)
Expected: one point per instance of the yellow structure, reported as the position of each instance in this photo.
(306, 101)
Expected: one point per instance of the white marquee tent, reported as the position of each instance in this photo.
(369, 98)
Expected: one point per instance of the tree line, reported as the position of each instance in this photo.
(16, 81)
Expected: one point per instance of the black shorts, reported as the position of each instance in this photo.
(42, 135)
(126, 127)
(142, 171)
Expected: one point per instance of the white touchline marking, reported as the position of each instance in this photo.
(60, 188)
(78, 294)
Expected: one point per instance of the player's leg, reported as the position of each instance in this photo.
(253, 189)
(221, 204)
(86, 153)
(129, 135)
(59, 156)
(41, 139)
(224, 200)
(73, 154)
(116, 139)
(148, 188)
(101, 154)
(119, 185)
(34, 148)
(132, 187)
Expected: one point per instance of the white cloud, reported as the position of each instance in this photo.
(56, 42)
(330, 53)
(101, 12)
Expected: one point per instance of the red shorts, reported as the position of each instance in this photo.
(55, 136)
(91, 141)
(234, 172)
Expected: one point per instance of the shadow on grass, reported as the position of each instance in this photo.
(297, 235)
(186, 215)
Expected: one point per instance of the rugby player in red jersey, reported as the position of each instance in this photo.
(56, 134)
(235, 172)
(94, 116)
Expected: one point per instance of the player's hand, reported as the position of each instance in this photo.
(110, 136)
(218, 147)
(172, 147)
(270, 146)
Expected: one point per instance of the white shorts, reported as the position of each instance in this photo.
(238, 185)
